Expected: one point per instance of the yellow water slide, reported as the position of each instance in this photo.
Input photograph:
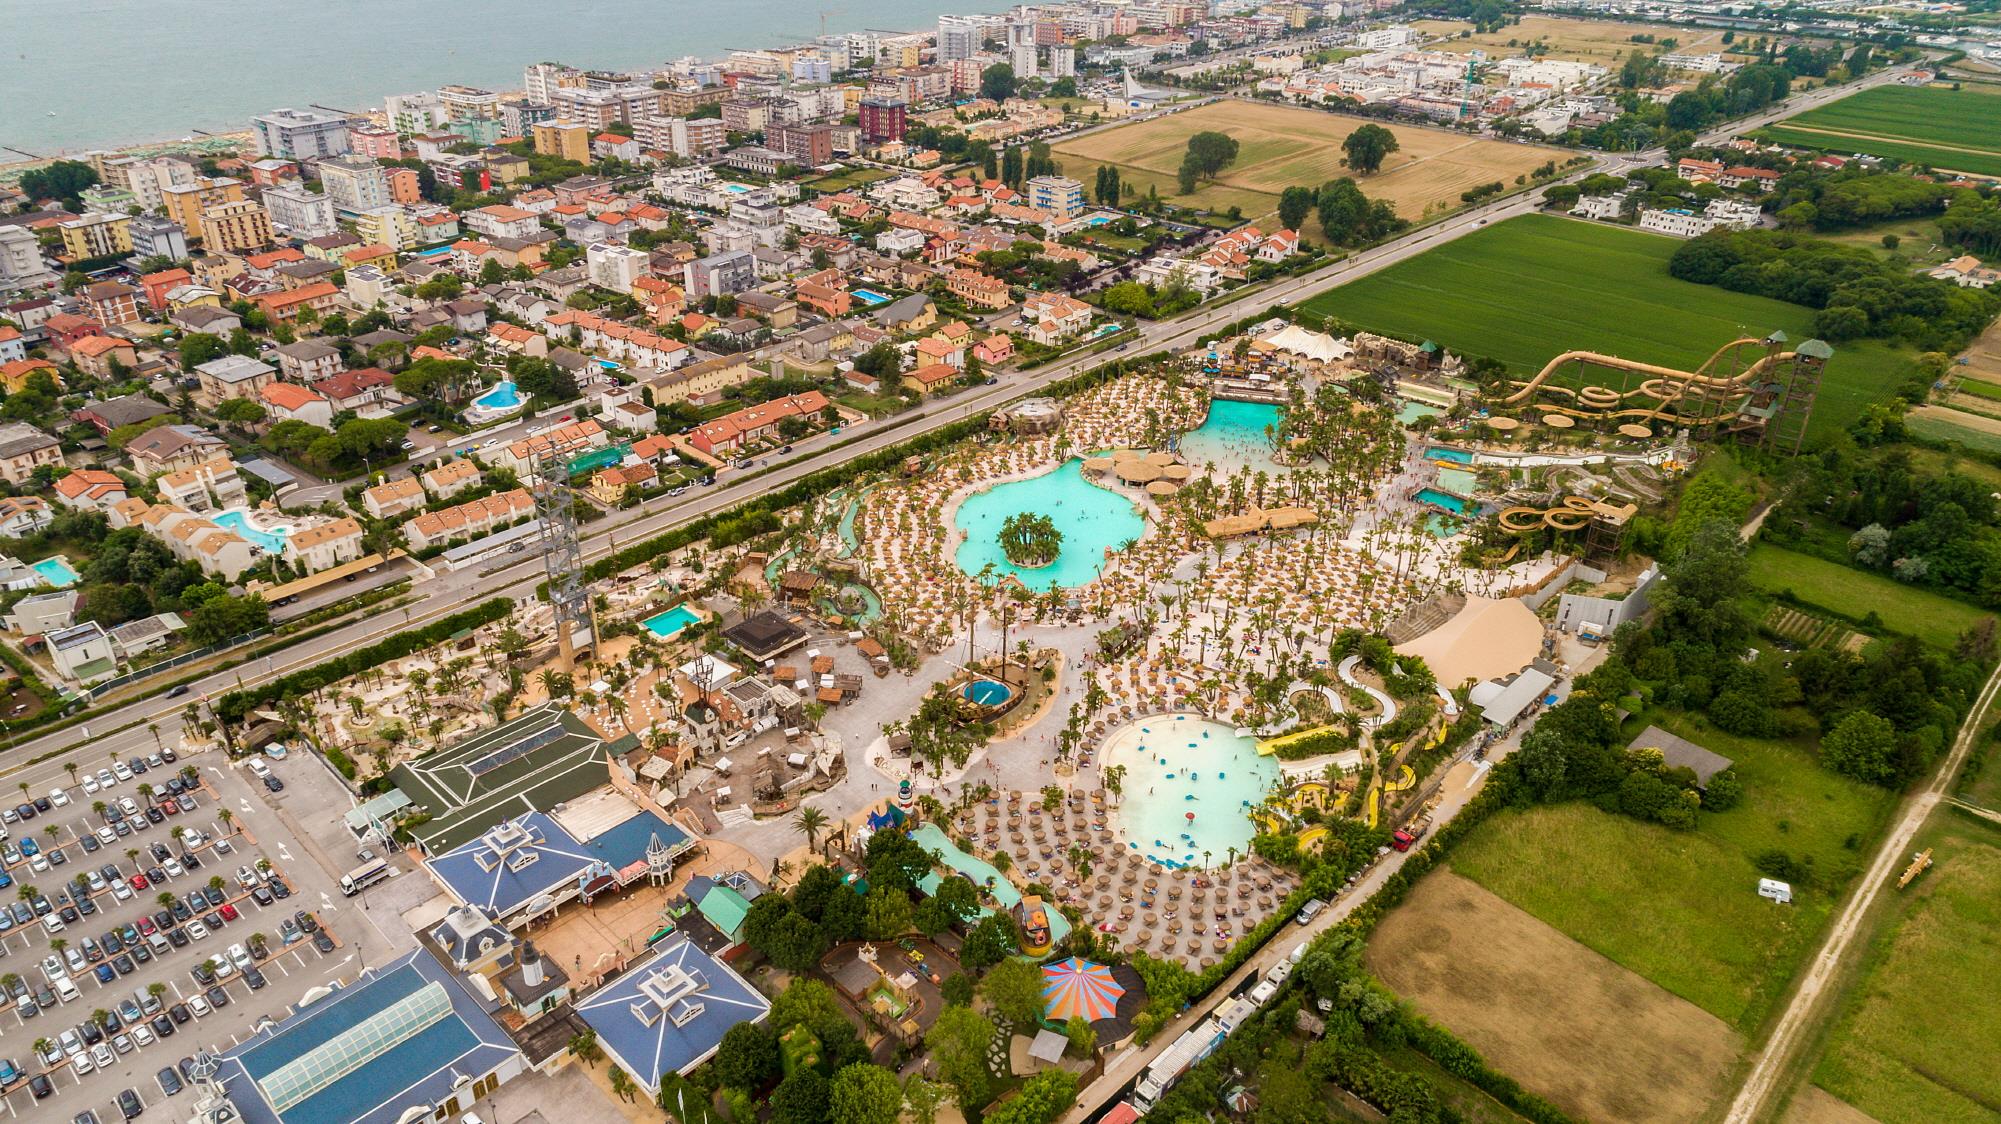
(1666, 386)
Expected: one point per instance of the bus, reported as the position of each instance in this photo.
(364, 876)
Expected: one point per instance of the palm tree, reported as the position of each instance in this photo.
(164, 898)
(585, 1047)
(224, 815)
(71, 766)
(621, 1083)
(156, 990)
(809, 822)
(131, 852)
(56, 946)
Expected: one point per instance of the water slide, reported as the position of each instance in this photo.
(1665, 385)
(1573, 514)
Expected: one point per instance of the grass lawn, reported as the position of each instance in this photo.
(1934, 461)
(1681, 908)
(1916, 1036)
(1528, 289)
(1934, 618)
(1919, 242)
(854, 177)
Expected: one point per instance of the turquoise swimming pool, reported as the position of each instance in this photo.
(666, 625)
(1410, 411)
(1454, 456)
(270, 542)
(868, 296)
(986, 692)
(503, 396)
(1234, 436)
(1458, 481)
(1092, 520)
(56, 571)
(1457, 505)
(1179, 765)
(982, 873)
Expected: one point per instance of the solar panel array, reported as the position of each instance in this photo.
(510, 754)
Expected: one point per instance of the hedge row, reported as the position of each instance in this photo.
(234, 705)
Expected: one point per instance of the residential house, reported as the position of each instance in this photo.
(23, 449)
(365, 390)
(169, 448)
(309, 361)
(82, 653)
(700, 383)
(933, 349)
(823, 341)
(113, 413)
(101, 356)
(451, 478)
(286, 401)
(929, 380)
(234, 376)
(205, 318)
(978, 289)
(1049, 318)
(732, 432)
(1967, 272)
(774, 310)
(325, 546)
(212, 485)
(610, 486)
(914, 313)
(468, 520)
(394, 497)
(286, 305)
(15, 373)
(90, 489)
(567, 440)
(633, 416)
(21, 516)
(995, 349)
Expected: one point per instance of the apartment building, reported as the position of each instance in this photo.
(468, 520)
(241, 225)
(212, 485)
(234, 376)
(300, 134)
(297, 212)
(325, 546)
(23, 449)
(96, 236)
(393, 497)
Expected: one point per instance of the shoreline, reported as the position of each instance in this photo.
(11, 170)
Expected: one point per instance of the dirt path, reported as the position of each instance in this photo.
(1981, 422)
(1805, 1009)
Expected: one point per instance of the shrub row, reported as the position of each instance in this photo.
(234, 705)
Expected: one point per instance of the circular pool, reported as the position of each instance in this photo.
(986, 692)
(1091, 519)
(1178, 765)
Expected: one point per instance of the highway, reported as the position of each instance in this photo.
(449, 592)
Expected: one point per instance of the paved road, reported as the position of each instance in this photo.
(1803, 1013)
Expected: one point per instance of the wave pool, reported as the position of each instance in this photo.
(1182, 763)
(1234, 436)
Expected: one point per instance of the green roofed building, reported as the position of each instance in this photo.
(532, 763)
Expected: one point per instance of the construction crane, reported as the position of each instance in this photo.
(1473, 61)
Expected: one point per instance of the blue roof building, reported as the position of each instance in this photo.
(407, 1035)
(529, 865)
(667, 1013)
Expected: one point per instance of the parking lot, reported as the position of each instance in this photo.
(144, 925)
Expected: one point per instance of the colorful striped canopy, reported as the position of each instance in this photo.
(1079, 988)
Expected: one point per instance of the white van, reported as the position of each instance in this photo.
(259, 769)
(51, 924)
(1780, 892)
(66, 990)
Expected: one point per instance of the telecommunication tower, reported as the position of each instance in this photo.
(562, 555)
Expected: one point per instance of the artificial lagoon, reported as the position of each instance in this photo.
(1091, 519)
(1236, 435)
(1182, 765)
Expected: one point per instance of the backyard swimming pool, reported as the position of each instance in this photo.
(238, 520)
(1182, 763)
(1234, 436)
(1090, 518)
(503, 396)
(56, 571)
(666, 625)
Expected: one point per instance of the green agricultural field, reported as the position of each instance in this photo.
(1934, 618)
(1953, 159)
(1931, 124)
(1528, 289)
(1681, 908)
(1916, 1035)
(1980, 389)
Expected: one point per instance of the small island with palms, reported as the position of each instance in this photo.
(1030, 539)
